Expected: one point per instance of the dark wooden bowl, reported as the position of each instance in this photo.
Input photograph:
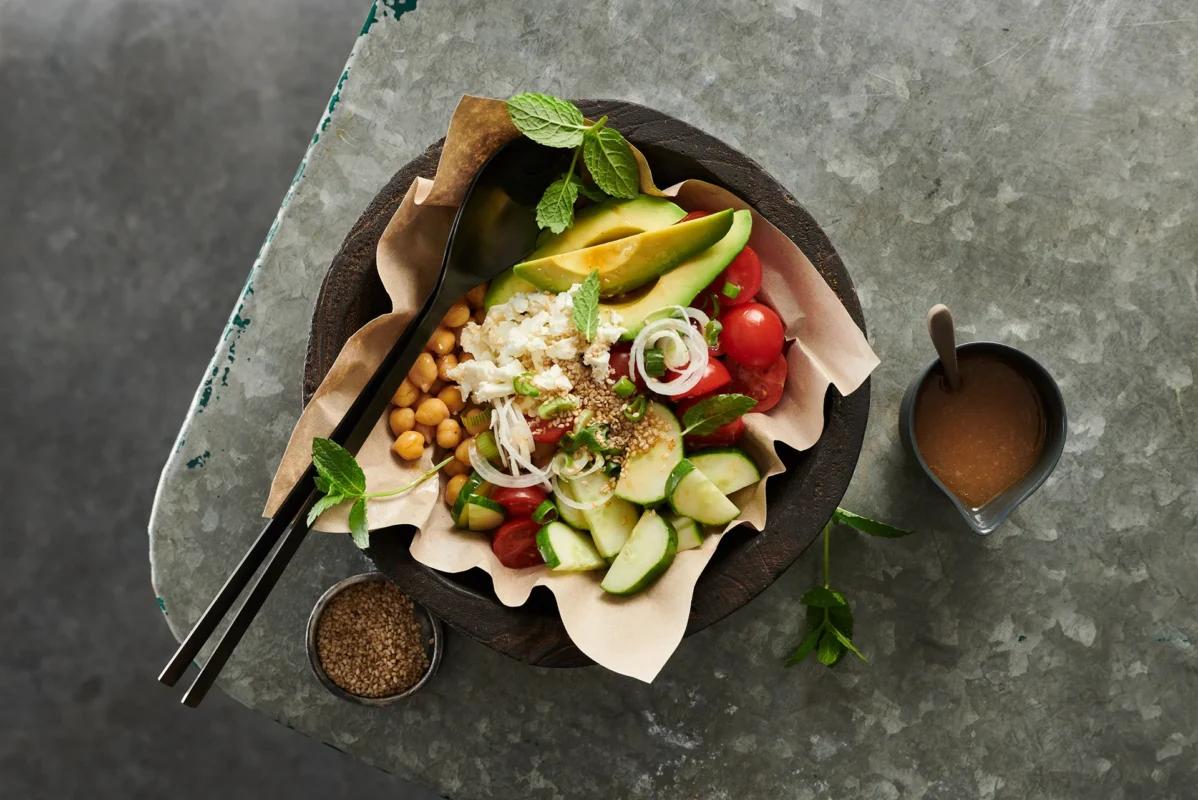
(800, 500)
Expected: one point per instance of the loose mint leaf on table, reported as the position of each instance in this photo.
(586, 306)
(829, 649)
(846, 643)
(357, 524)
(805, 647)
(822, 597)
(555, 211)
(546, 119)
(869, 526)
(338, 467)
(609, 159)
(705, 416)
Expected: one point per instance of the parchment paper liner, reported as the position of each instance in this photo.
(633, 636)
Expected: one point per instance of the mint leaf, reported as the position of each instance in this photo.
(829, 649)
(592, 193)
(705, 416)
(556, 209)
(357, 524)
(323, 505)
(805, 647)
(822, 597)
(338, 467)
(546, 119)
(869, 526)
(586, 306)
(847, 643)
(322, 483)
(609, 159)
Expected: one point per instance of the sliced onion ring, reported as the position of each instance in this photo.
(567, 500)
(490, 474)
(673, 327)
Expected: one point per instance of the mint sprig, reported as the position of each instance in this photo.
(609, 160)
(829, 616)
(707, 415)
(340, 479)
(586, 306)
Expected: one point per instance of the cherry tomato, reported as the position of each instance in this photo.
(752, 334)
(519, 501)
(694, 215)
(621, 365)
(547, 431)
(723, 436)
(713, 378)
(744, 273)
(762, 384)
(515, 544)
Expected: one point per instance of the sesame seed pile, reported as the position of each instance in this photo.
(369, 640)
(608, 408)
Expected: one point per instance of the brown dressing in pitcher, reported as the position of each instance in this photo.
(982, 438)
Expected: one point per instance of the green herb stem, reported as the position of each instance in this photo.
(409, 486)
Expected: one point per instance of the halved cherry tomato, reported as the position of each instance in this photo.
(519, 501)
(723, 436)
(715, 376)
(515, 544)
(744, 273)
(547, 431)
(752, 334)
(694, 215)
(763, 384)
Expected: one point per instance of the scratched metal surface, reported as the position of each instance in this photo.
(1030, 164)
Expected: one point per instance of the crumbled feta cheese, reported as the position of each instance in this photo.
(532, 332)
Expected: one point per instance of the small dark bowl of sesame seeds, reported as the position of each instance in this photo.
(369, 643)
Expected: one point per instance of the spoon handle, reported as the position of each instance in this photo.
(944, 339)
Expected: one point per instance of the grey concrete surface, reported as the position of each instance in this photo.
(144, 148)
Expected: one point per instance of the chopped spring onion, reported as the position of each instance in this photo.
(634, 410)
(477, 422)
(558, 405)
(546, 512)
(592, 437)
(692, 338)
(712, 333)
(583, 419)
(488, 446)
(522, 385)
(655, 362)
(624, 387)
(731, 290)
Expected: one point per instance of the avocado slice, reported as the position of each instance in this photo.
(597, 224)
(681, 285)
(628, 263)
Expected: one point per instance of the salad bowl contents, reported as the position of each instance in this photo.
(605, 414)
(591, 429)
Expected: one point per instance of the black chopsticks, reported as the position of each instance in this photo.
(290, 521)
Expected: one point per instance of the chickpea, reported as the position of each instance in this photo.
(453, 489)
(449, 433)
(457, 316)
(477, 295)
(444, 364)
(424, 372)
(402, 420)
(406, 394)
(442, 341)
(451, 396)
(455, 467)
(462, 451)
(427, 431)
(409, 446)
(431, 411)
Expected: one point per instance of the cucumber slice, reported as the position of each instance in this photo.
(609, 523)
(694, 496)
(643, 476)
(566, 550)
(571, 516)
(646, 554)
(467, 491)
(729, 468)
(483, 514)
(690, 535)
